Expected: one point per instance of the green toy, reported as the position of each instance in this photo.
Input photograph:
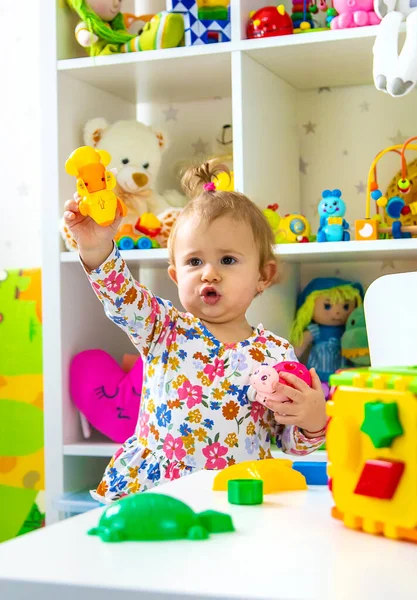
(354, 341)
(245, 491)
(157, 517)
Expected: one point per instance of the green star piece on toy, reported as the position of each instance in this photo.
(381, 423)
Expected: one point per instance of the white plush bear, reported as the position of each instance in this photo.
(136, 152)
(395, 74)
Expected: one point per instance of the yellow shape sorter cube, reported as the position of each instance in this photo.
(372, 449)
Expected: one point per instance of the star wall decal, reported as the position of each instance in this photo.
(171, 113)
(399, 138)
(360, 187)
(200, 146)
(303, 166)
(310, 127)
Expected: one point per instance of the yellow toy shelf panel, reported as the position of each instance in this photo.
(371, 445)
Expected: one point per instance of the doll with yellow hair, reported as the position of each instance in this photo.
(322, 311)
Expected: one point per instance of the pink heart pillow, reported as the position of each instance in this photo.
(108, 397)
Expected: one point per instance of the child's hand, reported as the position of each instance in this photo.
(307, 406)
(94, 242)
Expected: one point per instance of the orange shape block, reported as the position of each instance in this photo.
(277, 475)
(366, 229)
(380, 479)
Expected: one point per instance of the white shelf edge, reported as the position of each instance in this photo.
(405, 249)
(106, 449)
(69, 64)
(320, 37)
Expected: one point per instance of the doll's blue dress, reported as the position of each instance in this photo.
(325, 354)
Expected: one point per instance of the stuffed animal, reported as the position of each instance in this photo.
(105, 30)
(395, 72)
(136, 152)
(107, 397)
(265, 379)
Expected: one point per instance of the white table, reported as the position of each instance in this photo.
(289, 548)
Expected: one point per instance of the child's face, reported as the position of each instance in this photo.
(327, 312)
(217, 269)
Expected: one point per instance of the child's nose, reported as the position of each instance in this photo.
(210, 274)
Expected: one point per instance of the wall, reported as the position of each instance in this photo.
(20, 135)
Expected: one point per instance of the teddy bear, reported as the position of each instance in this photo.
(136, 152)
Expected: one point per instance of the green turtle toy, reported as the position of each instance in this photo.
(157, 517)
(354, 341)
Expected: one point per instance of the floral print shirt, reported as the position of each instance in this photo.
(195, 411)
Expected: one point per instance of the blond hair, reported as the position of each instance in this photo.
(209, 205)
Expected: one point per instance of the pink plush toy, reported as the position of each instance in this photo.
(354, 13)
(107, 397)
(265, 380)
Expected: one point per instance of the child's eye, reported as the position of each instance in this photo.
(228, 260)
(327, 306)
(346, 306)
(194, 262)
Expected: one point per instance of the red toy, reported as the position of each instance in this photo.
(269, 22)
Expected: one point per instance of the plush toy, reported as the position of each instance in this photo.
(136, 152)
(395, 74)
(265, 379)
(323, 308)
(107, 397)
(104, 29)
(354, 341)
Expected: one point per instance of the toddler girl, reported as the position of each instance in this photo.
(197, 410)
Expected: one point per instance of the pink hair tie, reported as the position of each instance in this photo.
(209, 187)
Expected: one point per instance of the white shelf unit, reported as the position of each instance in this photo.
(262, 80)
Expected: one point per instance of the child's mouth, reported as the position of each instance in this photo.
(210, 296)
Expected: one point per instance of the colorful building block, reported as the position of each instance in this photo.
(371, 444)
(380, 479)
(314, 471)
(202, 31)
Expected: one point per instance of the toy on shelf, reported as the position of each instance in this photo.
(371, 443)
(303, 12)
(332, 209)
(269, 21)
(105, 30)
(107, 396)
(158, 517)
(396, 211)
(354, 13)
(289, 229)
(323, 308)
(395, 73)
(265, 379)
(277, 475)
(142, 236)
(94, 184)
(205, 22)
(354, 342)
(136, 152)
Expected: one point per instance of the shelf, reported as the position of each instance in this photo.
(106, 449)
(310, 60)
(352, 251)
(156, 76)
(146, 258)
(314, 60)
(328, 252)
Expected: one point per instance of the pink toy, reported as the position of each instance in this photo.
(354, 13)
(265, 380)
(107, 397)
